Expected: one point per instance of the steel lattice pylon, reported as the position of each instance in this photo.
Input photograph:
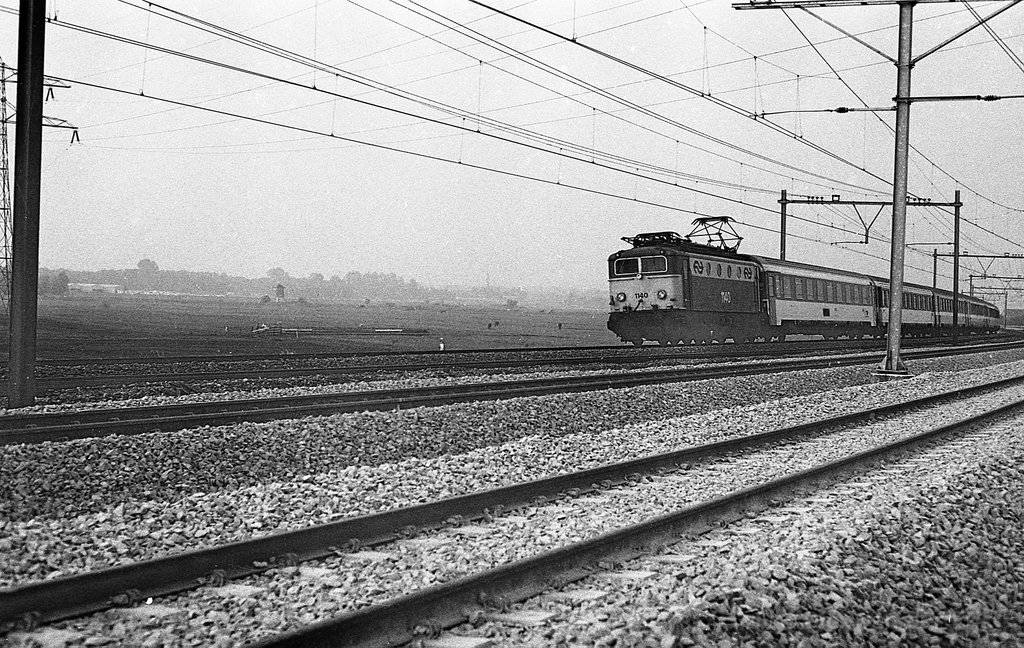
(7, 117)
(5, 190)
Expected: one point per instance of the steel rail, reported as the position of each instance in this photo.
(59, 426)
(70, 596)
(395, 622)
(648, 348)
(653, 349)
(52, 383)
(707, 352)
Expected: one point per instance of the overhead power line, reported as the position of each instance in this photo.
(435, 16)
(427, 156)
(210, 27)
(694, 91)
(542, 142)
(888, 126)
(1016, 60)
(438, 158)
(574, 97)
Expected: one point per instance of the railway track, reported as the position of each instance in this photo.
(461, 358)
(652, 349)
(396, 622)
(55, 383)
(389, 624)
(58, 426)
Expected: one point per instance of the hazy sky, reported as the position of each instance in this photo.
(197, 190)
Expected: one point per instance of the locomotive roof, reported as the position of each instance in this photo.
(662, 242)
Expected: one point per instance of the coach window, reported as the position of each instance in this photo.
(788, 290)
(627, 266)
(653, 264)
(800, 290)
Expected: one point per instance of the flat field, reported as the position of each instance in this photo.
(86, 325)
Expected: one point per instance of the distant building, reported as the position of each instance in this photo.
(279, 293)
(96, 288)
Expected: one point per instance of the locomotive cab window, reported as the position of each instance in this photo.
(627, 266)
(653, 264)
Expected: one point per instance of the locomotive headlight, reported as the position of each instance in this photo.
(621, 297)
(662, 294)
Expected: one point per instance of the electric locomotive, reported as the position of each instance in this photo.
(669, 289)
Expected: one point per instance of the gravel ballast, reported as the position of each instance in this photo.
(177, 392)
(94, 475)
(97, 523)
(928, 552)
(286, 598)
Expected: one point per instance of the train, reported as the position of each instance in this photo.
(669, 289)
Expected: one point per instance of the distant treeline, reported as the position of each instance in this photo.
(359, 286)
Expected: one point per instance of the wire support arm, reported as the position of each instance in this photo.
(964, 31)
(800, 4)
(850, 35)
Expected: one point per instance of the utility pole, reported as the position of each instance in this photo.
(783, 201)
(956, 266)
(28, 138)
(935, 269)
(892, 365)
